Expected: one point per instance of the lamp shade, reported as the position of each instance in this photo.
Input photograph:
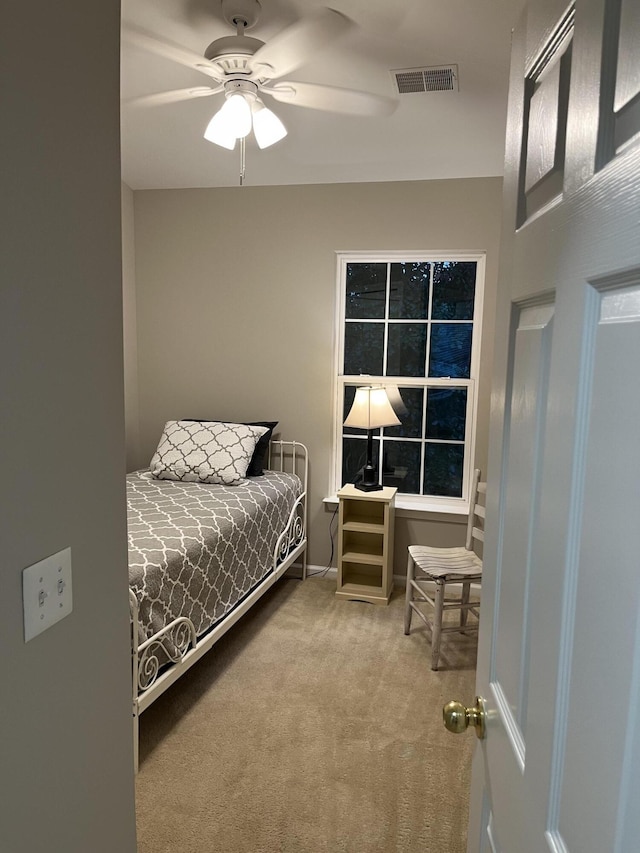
(218, 132)
(240, 112)
(237, 115)
(267, 127)
(397, 403)
(231, 122)
(371, 409)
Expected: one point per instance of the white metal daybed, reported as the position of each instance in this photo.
(200, 555)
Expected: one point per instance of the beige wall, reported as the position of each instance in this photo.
(130, 338)
(236, 306)
(65, 697)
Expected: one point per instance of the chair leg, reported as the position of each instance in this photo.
(436, 633)
(408, 612)
(464, 599)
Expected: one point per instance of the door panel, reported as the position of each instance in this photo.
(545, 121)
(628, 71)
(606, 560)
(524, 418)
(619, 79)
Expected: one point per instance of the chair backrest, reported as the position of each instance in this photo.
(475, 525)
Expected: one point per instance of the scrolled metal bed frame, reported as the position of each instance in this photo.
(178, 641)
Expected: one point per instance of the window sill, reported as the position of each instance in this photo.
(409, 507)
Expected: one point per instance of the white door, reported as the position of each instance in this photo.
(559, 649)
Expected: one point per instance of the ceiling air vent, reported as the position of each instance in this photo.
(433, 78)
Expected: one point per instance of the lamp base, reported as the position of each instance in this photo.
(369, 482)
(368, 487)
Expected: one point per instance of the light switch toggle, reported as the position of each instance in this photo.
(46, 593)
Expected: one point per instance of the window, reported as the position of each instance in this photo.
(412, 320)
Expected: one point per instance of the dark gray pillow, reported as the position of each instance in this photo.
(256, 465)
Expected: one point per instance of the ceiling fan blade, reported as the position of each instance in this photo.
(173, 96)
(293, 46)
(332, 99)
(147, 41)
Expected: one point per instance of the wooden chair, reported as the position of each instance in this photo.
(444, 567)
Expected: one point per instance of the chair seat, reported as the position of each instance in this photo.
(430, 570)
(446, 562)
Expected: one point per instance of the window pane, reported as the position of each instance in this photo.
(354, 458)
(443, 464)
(402, 466)
(454, 288)
(409, 296)
(366, 291)
(363, 348)
(411, 423)
(446, 413)
(450, 350)
(407, 349)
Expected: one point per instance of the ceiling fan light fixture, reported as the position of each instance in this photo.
(232, 121)
(267, 127)
(236, 114)
(218, 132)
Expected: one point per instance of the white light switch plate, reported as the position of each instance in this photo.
(46, 593)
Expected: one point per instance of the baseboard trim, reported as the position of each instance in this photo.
(322, 571)
(332, 572)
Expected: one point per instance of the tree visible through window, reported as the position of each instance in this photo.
(412, 321)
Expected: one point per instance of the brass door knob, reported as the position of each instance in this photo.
(457, 718)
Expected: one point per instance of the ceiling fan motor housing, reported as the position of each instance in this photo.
(231, 54)
(241, 87)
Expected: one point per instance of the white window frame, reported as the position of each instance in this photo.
(403, 501)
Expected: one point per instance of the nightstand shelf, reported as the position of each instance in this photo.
(363, 558)
(365, 544)
(364, 527)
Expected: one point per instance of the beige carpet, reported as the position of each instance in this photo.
(314, 725)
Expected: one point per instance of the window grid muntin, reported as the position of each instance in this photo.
(385, 348)
(427, 356)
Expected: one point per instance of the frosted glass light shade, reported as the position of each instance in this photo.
(267, 127)
(218, 132)
(371, 409)
(237, 115)
(231, 122)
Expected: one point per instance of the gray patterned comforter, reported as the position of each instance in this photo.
(196, 550)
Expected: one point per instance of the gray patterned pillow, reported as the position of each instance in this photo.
(209, 452)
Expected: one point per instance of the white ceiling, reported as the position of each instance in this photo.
(434, 135)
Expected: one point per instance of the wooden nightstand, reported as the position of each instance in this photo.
(365, 544)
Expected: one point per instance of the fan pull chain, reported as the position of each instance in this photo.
(240, 28)
(242, 160)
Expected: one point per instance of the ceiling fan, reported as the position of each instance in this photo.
(245, 68)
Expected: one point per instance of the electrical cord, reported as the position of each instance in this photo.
(323, 572)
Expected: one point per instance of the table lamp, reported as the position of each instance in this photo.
(371, 410)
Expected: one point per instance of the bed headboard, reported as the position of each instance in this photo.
(289, 456)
